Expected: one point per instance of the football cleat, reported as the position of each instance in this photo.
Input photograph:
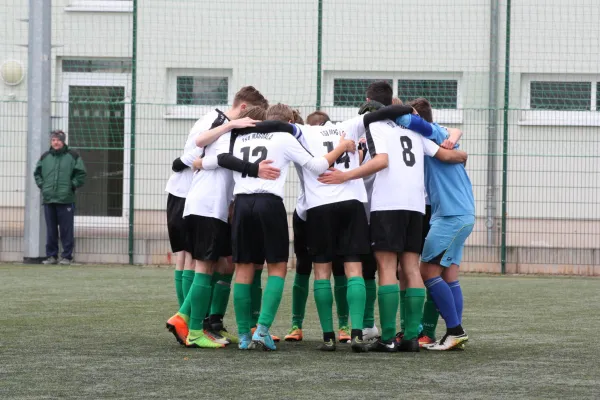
(230, 337)
(399, 337)
(327, 346)
(409, 345)
(358, 345)
(294, 335)
(344, 334)
(384, 346)
(370, 334)
(178, 327)
(215, 337)
(262, 338)
(200, 340)
(276, 339)
(448, 342)
(425, 340)
(245, 342)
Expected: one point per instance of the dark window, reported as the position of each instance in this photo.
(207, 91)
(440, 93)
(569, 96)
(351, 92)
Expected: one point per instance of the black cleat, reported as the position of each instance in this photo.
(384, 346)
(327, 346)
(399, 337)
(358, 346)
(409, 345)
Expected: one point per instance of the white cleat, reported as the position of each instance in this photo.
(370, 334)
(448, 342)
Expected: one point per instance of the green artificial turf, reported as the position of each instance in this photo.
(98, 332)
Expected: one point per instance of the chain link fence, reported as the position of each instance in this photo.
(520, 78)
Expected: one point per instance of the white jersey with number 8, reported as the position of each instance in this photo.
(400, 186)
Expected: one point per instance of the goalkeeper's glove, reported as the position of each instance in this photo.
(370, 106)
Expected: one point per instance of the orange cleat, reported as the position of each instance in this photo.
(295, 335)
(178, 327)
(344, 335)
(425, 340)
(275, 338)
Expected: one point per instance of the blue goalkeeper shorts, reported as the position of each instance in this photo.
(446, 239)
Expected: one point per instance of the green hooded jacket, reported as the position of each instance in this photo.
(58, 173)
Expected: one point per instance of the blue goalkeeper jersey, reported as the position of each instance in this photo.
(448, 185)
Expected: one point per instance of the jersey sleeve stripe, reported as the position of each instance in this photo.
(370, 143)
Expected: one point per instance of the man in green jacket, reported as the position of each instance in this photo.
(58, 173)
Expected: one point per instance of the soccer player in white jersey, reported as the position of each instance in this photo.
(397, 208)
(304, 263)
(260, 228)
(178, 187)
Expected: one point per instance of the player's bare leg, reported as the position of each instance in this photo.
(324, 302)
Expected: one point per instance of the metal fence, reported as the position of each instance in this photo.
(521, 78)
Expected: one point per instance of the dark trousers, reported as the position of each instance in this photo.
(60, 216)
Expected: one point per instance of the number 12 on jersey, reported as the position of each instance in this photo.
(343, 159)
(259, 151)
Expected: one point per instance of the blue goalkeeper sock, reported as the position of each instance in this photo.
(444, 300)
(458, 299)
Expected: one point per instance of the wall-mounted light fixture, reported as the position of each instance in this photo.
(12, 72)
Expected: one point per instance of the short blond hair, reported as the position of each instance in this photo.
(280, 112)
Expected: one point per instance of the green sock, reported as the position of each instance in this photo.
(388, 308)
(242, 294)
(271, 300)
(185, 309)
(220, 295)
(215, 277)
(369, 319)
(402, 309)
(200, 299)
(256, 296)
(178, 288)
(357, 297)
(324, 302)
(187, 277)
(341, 300)
(415, 298)
(299, 297)
(430, 317)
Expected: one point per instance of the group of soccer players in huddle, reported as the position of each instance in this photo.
(361, 212)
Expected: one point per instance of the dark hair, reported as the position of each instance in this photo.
(251, 96)
(317, 118)
(297, 117)
(423, 107)
(280, 112)
(380, 91)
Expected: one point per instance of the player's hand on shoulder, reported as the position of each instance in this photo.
(448, 144)
(267, 171)
(246, 122)
(332, 177)
(197, 164)
(348, 144)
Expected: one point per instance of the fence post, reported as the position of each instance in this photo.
(492, 127)
(505, 137)
(132, 142)
(319, 52)
(38, 123)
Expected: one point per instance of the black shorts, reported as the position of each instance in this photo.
(426, 220)
(338, 229)
(209, 238)
(259, 229)
(176, 224)
(397, 231)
